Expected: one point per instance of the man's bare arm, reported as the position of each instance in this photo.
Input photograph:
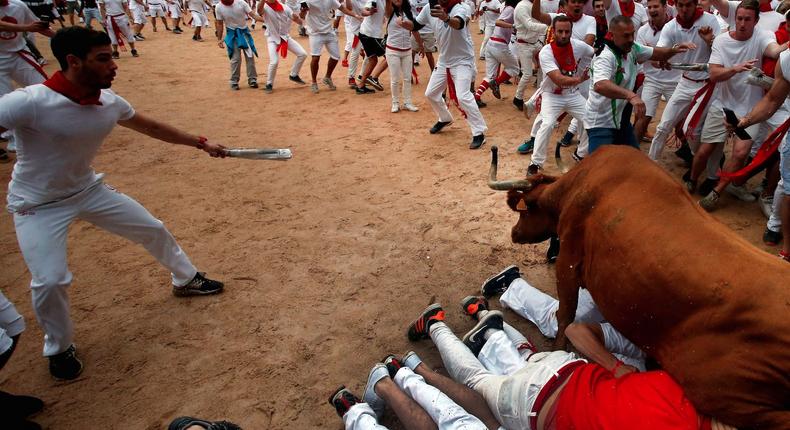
(589, 340)
(773, 100)
(539, 14)
(167, 133)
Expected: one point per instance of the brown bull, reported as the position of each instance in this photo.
(712, 309)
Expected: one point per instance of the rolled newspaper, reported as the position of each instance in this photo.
(758, 78)
(691, 67)
(260, 154)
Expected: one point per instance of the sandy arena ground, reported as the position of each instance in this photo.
(326, 258)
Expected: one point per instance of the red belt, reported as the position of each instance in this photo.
(695, 80)
(496, 39)
(28, 57)
(560, 376)
(398, 49)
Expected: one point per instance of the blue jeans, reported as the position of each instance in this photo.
(612, 136)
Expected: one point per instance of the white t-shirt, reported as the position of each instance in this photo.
(11, 41)
(527, 28)
(56, 140)
(373, 25)
(639, 17)
(278, 24)
(351, 23)
(581, 28)
(319, 16)
(235, 15)
(397, 36)
(492, 11)
(674, 33)
(768, 20)
(582, 53)
(502, 32)
(735, 93)
(549, 6)
(455, 46)
(417, 7)
(600, 112)
(647, 36)
(133, 5)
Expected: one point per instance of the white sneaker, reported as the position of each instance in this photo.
(767, 205)
(395, 108)
(411, 108)
(314, 88)
(741, 193)
(328, 82)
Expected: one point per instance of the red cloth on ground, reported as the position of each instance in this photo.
(594, 399)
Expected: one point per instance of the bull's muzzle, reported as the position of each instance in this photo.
(516, 184)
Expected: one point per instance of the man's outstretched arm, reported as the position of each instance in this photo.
(167, 133)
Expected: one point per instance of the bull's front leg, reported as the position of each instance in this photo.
(569, 280)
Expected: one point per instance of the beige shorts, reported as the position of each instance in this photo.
(428, 40)
(714, 130)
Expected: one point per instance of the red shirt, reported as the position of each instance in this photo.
(593, 399)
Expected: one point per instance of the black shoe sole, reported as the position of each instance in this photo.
(485, 323)
(435, 130)
(502, 273)
(186, 292)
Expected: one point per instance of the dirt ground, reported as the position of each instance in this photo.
(326, 257)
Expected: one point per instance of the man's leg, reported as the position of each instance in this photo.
(334, 56)
(11, 327)
(360, 416)
(235, 67)
(396, 77)
(499, 355)
(675, 106)
(314, 68)
(252, 73)
(274, 61)
(301, 55)
(408, 411)
(551, 108)
(784, 168)
(433, 92)
(462, 78)
(740, 150)
(353, 60)
(533, 305)
(599, 137)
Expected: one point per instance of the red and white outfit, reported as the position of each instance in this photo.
(353, 46)
(53, 183)
(630, 9)
(398, 53)
(658, 82)
(488, 20)
(278, 23)
(571, 60)
(11, 324)
(530, 34)
(16, 63)
(116, 21)
(319, 27)
(497, 52)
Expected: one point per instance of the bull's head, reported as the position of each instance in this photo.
(535, 224)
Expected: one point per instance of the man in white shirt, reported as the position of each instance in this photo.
(455, 70)
(198, 8)
(53, 182)
(565, 61)
(278, 19)
(497, 53)
(232, 14)
(614, 70)
(318, 19)
(733, 53)
(351, 26)
(658, 82)
(627, 8)
(156, 9)
(116, 21)
(489, 12)
(529, 39)
(371, 35)
(426, 44)
(137, 12)
(175, 10)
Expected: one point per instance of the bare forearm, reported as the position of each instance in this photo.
(721, 73)
(763, 110)
(161, 131)
(503, 24)
(609, 89)
(220, 29)
(663, 54)
(590, 343)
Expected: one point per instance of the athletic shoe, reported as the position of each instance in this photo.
(475, 338)
(343, 400)
(139, 37)
(480, 104)
(533, 169)
(785, 256)
(439, 126)
(116, 55)
(134, 53)
(352, 83)
(707, 186)
(253, 85)
(527, 146)
(772, 238)
(472, 305)
(377, 373)
(344, 63)
(395, 108)
(500, 282)
(328, 82)
(576, 157)
(518, 103)
(234, 87)
(567, 140)
(374, 82)
(154, 30)
(393, 365)
(411, 360)
(296, 79)
(420, 328)
(554, 250)
(740, 192)
(268, 88)
(767, 205)
(177, 30)
(365, 90)
(710, 202)
(199, 286)
(13, 406)
(4, 158)
(495, 89)
(314, 88)
(684, 153)
(65, 366)
(183, 423)
(477, 141)
(691, 186)
(411, 108)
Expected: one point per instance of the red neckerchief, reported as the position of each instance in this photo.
(227, 2)
(450, 6)
(671, 2)
(600, 20)
(3, 3)
(60, 84)
(561, 10)
(276, 6)
(766, 7)
(627, 8)
(687, 25)
(564, 57)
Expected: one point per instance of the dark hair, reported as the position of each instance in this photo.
(663, 2)
(77, 41)
(561, 18)
(750, 5)
(512, 3)
(620, 19)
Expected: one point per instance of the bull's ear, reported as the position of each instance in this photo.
(544, 179)
(516, 200)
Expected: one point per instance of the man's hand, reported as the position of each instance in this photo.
(624, 369)
(745, 66)
(683, 47)
(214, 149)
(639, 107)
(37, 26)
(220, 43)
(706, 33)
(438, 12)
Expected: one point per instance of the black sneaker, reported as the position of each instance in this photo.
(134, 53)
(527, 147)
(480, 104)
(199, 286)
(495, 89)
(234, 87)
(342, 400)
(65, 366)
(554, 249)
(472, 305)
(518, 103)
(475, 338)
(707, 186)
(177, 30)
(477, 141)
(393, 364)
(374, 82)
(439, 126)
(268, 88)
(684, 153)
(365, 90)
(772, 238)
(691, 186)
(13, 406)
(116, 55)
(533, 169)
(576, 157)
(183, 423)
(139, 36)
(420, 328)
(567, 139)
(253, 84)
(498, 283)
(296, 79)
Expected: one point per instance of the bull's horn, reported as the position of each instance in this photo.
(518, 184)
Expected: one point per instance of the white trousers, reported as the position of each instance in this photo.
(676, 105)
(42, 231)
(400, 66)
(11, 323)
(14, 68)
(652, 91)
(500, 355)
(775, 220)
(123, 26)
(488, 31)
(361, 417)
(274, 59)
(353, 57)
(510, 398)
(463, 76)
(496, 54)
(552, 107)
(525, 55)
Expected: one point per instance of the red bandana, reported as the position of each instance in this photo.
(276, 6)
(60, 84)
(627, 8)
(766, 7)
(227, 2)
(564, 57)
(3, 3)
(687, 25)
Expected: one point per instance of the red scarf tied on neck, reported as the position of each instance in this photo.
(687, 25)
(276, 6)
(65, 87)
(564, 57)
(227, 2)
(766, 7)
(627, 8)
(3, 3)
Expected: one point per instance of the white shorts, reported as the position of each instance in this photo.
(199, 19)
(329, 40)
(123, 26)
(175, 11)
(16, 69)
(156, 10)
(138, 16)
(652, 92)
